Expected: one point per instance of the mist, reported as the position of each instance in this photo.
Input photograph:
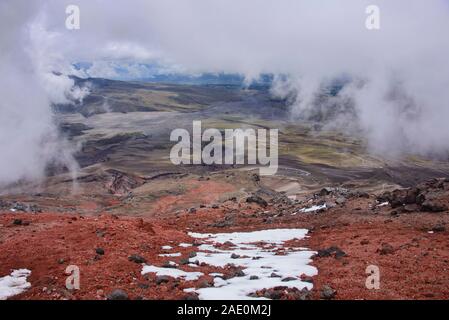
(395, 94)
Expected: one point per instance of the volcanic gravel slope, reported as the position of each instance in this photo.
(407, 243)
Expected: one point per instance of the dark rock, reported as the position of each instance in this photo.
(162, 279)
(17, 222)
(204, 284)
(337, 252)
(239, 273)
(192, 254)
(191, 297)
(289, 279)
(99, 251)
(340, 200)
(142, 285)
(118, 294)
(192, 210)
(327, 293)
(433, 206)
(254, 278)
(235, 256)
(184, 261)
(258, 200)
(167, 264)
(275, 275)
(137, 259)
(386, 249)
(439, 228)
(326, 191)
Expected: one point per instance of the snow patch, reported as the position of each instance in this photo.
(172, 272)
(166, 248)
(313, 208)
(258, 262)
(185, 245)
(177, 254)
(14, 284)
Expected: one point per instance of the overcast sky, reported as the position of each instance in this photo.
(308, 40)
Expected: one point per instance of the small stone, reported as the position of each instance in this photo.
(142, 285)
(386, 249)
(258, 200)
(235, 256)
(327, 292)
(239, 273)
(289, 279)
(17, 222)
(99, 251)
(191, 297)
(439, 228)
(274, 275)
(254, 278)
(162, 279)
(137, 259)
(118, 294)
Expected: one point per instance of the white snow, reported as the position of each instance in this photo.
(166, 248)
(292, 264)
(177, 254)
(171, 272)
(14, 284)
(313, 208)
(185, 245)
(383, 204)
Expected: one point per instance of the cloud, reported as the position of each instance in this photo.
(399, 75)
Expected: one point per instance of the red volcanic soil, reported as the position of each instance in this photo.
(413, 263)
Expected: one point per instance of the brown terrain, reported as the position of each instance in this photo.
(407, 239)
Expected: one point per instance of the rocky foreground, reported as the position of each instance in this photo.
(403, 232)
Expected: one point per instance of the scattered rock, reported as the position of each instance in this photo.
(99, 251)
(335, 251)
(118, 294)
(162, 279)
(137, 259)
(327, 293)
(258, 200)
(289, 279)
(439, 228)
(191, 297)
(235, 256)
(254, 278)
(17, 222)
(386, 249)
(274, 275)
(433, 206)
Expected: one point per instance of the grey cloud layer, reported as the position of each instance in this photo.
(402, 104)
